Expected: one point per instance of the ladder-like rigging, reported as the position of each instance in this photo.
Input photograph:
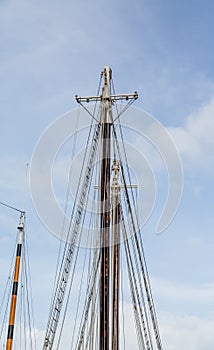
(64, 273)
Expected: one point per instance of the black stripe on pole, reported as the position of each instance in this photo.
(19, 249)
(10, 331)
(15, 288)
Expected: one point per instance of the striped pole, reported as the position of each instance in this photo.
(15, 283)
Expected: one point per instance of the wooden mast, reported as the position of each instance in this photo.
(106, 122)
(15, 282)
(108, 340)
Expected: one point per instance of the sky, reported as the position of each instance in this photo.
(51, 51)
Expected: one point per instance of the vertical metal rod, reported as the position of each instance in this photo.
(15, 283)
(116, 256)
(105, 210)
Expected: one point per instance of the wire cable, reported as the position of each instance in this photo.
(11, 207)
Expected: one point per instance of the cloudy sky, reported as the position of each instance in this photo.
(51, 51)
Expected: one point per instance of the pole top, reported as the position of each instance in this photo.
(21, 222)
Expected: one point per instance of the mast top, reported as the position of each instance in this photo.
(106, 91)
(21, 222)
(107, 73)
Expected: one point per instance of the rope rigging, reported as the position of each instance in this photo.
(63, 278)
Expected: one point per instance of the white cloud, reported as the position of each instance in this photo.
(190, 320)
(186, 332)
(199, 293)
(195, 140)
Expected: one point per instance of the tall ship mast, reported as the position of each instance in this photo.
(113, 231)
(17, 330)
(15, 282)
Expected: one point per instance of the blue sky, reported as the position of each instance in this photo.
(51, 51)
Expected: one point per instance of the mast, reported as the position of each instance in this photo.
(101, 330)
(15, 282)
(102, 133)
(106, 123)
(106, 120)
